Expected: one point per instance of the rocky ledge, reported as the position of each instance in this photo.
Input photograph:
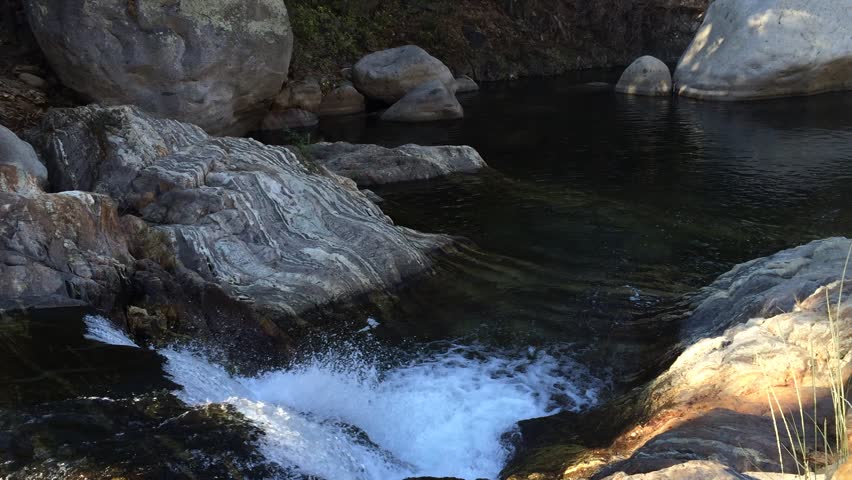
(158, 223)
(760, 331)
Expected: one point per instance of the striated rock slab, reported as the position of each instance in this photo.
(749, 49)
(249, 218)
(20, 169)
(374, 165)
(217, 64)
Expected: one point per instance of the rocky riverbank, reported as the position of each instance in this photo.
(176, 232)
(760, 331)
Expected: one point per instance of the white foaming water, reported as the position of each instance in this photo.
(101, 330)
(441, 415)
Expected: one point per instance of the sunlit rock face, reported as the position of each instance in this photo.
(646, 76)
(218, 64)
(749, 49)
(762, 331)
(265, 227)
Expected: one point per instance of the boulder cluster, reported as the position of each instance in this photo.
(756, 49)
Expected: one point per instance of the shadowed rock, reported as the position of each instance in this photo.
(749, 49)
(343, 100)
(20, 168)
(429, 102)
(287, 119)
(217, 64)
(389, 75)
(372, 165)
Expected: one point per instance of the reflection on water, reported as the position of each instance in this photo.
(602, 209)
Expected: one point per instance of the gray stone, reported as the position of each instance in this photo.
(374, 165)
(465, 84)
(218, 64)
(305, 94)
(749, 49)
(389, 75)
(32, 80)
(20, 168)
(646, 76)
(343, 100)
(430, 101)
(254, 220)
(290, 118)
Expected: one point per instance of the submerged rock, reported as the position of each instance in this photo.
(749, 49)
(646, 76)
(269, 231)
(216, 64)
(430, 101)
(389, 75)
(373, 165)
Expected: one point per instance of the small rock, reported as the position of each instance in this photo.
(346, 73)
(646, 76)
(389, 75)
(343, 100)
(465, 84)
(32, 80)
(306, 95)
(431, 101)
(20, 168)
(290, 118)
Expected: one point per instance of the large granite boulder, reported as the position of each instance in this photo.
(646, 76)
(431, 101)
(389, 75)
(373, 165)
(20, 168)
(218, 64)
(280, 234)
(749, 49)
